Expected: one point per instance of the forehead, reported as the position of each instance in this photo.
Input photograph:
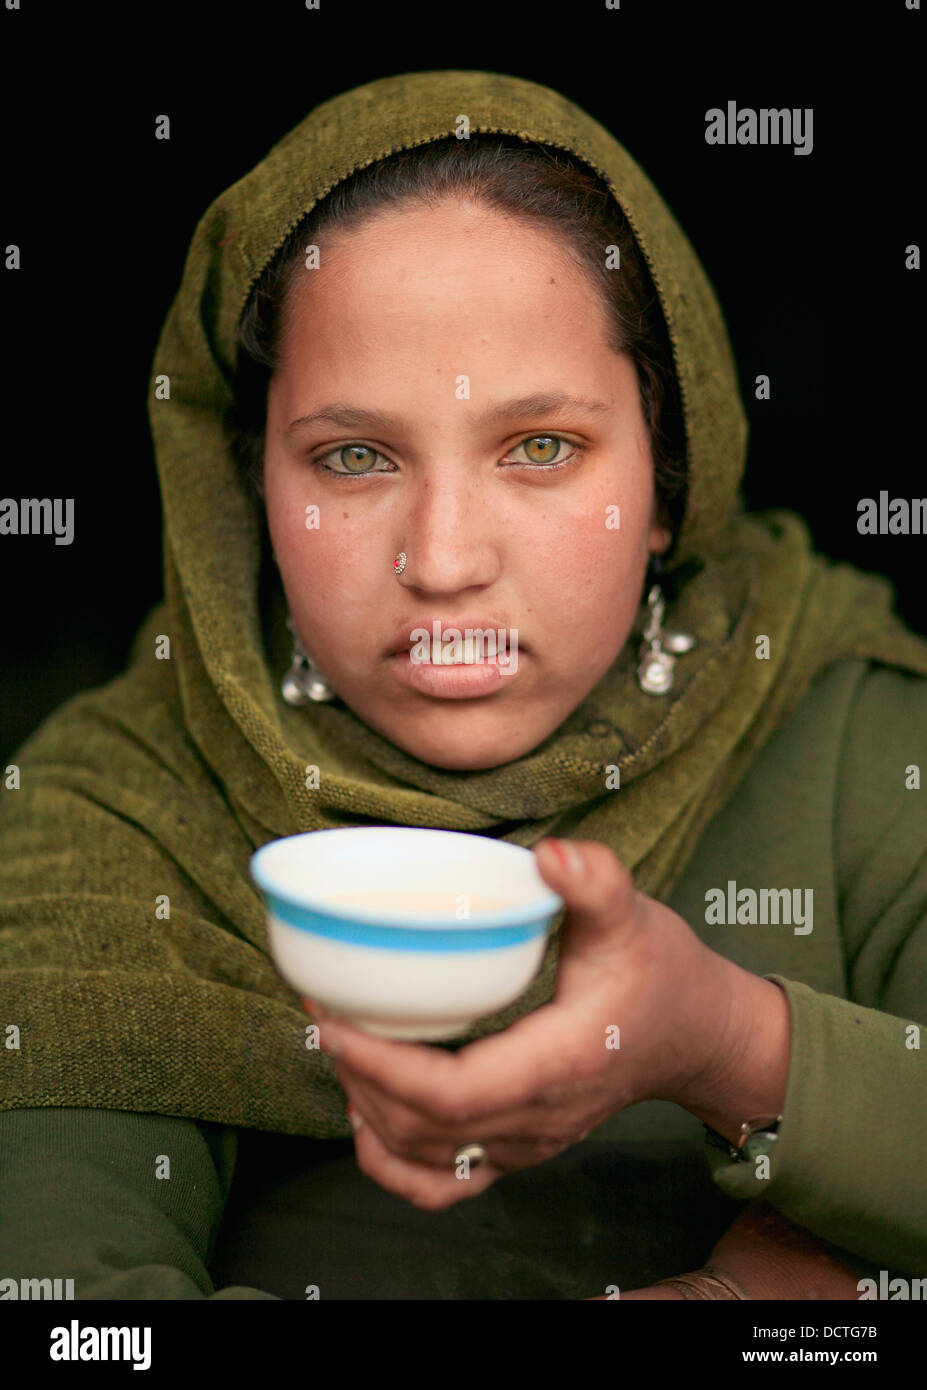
(456, 258)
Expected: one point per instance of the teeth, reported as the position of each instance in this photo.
(470, 651)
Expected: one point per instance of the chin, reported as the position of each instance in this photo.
(465, 761)
(456, 747)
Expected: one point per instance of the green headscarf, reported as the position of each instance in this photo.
(159, 786)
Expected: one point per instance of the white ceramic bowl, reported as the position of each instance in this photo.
(402, 973)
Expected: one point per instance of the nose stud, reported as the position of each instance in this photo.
(399, 563)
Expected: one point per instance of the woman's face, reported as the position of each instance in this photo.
(425, 345)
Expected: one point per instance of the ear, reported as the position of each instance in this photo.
(661, 537)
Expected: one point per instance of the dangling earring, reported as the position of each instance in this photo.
(303, 683)
(655, 672)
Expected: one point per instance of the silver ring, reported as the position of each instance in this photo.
(474, 1152)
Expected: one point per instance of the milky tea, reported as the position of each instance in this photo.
(408, 903)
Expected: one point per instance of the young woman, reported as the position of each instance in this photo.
(445, 356)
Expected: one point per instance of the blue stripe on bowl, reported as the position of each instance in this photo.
(389, 938)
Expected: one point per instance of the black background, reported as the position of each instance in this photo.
(806, 252)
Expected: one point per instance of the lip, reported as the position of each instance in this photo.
(453, 682)
(402, 639)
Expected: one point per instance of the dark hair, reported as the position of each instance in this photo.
(522, 179)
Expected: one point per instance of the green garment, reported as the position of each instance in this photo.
(166, 780)
(636, 1201)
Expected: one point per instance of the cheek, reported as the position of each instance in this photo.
(600, 545)
(312, 536)
(332, 561)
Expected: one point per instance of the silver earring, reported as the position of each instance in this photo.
(304, 683)
(655, 672)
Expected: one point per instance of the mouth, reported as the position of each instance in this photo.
(463, 642)
(464, 660)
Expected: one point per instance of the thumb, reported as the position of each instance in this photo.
(598, 890)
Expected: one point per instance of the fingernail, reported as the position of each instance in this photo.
(567, 854)
(355, 1119)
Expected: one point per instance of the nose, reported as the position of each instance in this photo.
(449, 535)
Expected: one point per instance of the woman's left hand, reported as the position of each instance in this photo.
(626, 962)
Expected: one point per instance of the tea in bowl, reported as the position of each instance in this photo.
(405, 933)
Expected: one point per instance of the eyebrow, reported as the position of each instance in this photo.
(540, 403)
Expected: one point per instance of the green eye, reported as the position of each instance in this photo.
(357, 458)
(541, 452)
(542, 448)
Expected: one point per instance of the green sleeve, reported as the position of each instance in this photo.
(849, 1162)
(127, 1205)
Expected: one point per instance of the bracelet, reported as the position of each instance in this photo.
(757, 1137)
(707, 1283)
